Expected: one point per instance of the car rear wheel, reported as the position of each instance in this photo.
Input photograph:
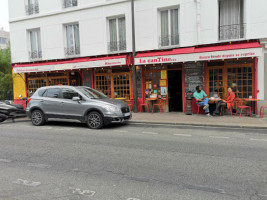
(37, 118)
(95, 120)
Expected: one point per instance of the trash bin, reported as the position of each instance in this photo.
(189, 98)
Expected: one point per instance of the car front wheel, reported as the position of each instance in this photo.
(37, 118)
(94, 120)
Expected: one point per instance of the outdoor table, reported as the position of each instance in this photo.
(121, 98)
(213, 102)
(152, 100)
(251, 100)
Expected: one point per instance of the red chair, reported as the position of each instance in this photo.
(160, 105)
(131, 104)
(240, 106)
(198, 106)
(223, 109)
(142, 105)
(262, 111)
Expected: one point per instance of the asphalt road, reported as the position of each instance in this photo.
(70, 162)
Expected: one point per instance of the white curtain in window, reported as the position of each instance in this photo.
(38, 40)
(33, 41)
(69, 34)
(122, 29)
(112, 30)
(230, 12)
(164, 23)
(76, 35)
(174, 27)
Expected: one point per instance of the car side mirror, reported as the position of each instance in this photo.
(76, 99)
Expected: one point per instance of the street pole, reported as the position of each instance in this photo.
(133, 57)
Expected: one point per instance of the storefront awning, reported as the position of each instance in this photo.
(79, 63)
(243, 50)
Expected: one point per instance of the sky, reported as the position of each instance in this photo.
(4, 14)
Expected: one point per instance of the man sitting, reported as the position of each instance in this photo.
(202, 99)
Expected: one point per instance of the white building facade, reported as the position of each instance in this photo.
(89, 42)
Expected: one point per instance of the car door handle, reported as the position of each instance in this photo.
(42, 101)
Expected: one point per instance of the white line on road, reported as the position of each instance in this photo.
(27, 183)
(82, 192)
(151, 133)
(183, 135)
(39, 165)
(5, 161)
(121, 131)
(219, 137)
(133, 199)
(255, 139)
(262, 195)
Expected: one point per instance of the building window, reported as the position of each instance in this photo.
(72, 40)
(231, 20)
(169, 28)
(70, 3)
(237, 75)
(117, 35)
(35, 45)
(32, 7)
(3, 40)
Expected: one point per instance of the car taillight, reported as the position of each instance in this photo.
(28, 101)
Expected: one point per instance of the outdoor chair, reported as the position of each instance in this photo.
(131, 104)
(262, 111)
(198, 106)
(159, 105)
(240, 106)
(223, 108)
(142, 105)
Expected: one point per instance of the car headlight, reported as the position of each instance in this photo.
(111, 108)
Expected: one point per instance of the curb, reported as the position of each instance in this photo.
(197, 125)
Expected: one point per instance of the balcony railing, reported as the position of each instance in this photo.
(72, 51)
(32, 9)
(70, 3)
(117, 46)
(231, 32)
(35, 55)
(168, 40)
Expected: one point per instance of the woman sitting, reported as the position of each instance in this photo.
(229, 102)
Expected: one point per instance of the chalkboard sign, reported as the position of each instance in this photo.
(87, 77)
(194, 75)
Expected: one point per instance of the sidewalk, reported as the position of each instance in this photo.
(200, 120)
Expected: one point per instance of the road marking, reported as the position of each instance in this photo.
(121, 131)
(262, 195)
(5, 161)
(27, 183)
(183, 135)
(43, 166)
(152, 133)
(82, 192)
(219, 137)
(133, 199)
(255, 139)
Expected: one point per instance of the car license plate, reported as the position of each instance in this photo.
(126, 114)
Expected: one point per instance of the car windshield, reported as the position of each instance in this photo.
(91, 93)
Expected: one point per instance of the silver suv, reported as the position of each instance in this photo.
(81, 103)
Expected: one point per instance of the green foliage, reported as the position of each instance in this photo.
(6, 84)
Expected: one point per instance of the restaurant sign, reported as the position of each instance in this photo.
(70, 66)
(215, 55)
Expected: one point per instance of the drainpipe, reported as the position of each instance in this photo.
(198, 20)
(133, 57)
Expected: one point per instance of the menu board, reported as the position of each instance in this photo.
(87, 78)
(194, 75)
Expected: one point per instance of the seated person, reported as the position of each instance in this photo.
(202, 99)
(229, 102)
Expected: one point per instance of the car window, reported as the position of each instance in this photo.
(69, 93)
(91, 93)
(53, 93)
(41, 92)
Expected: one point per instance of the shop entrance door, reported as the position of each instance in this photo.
(175, 91)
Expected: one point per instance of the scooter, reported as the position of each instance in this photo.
(11, 111)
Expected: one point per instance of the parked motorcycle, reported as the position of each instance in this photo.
(11, 111)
